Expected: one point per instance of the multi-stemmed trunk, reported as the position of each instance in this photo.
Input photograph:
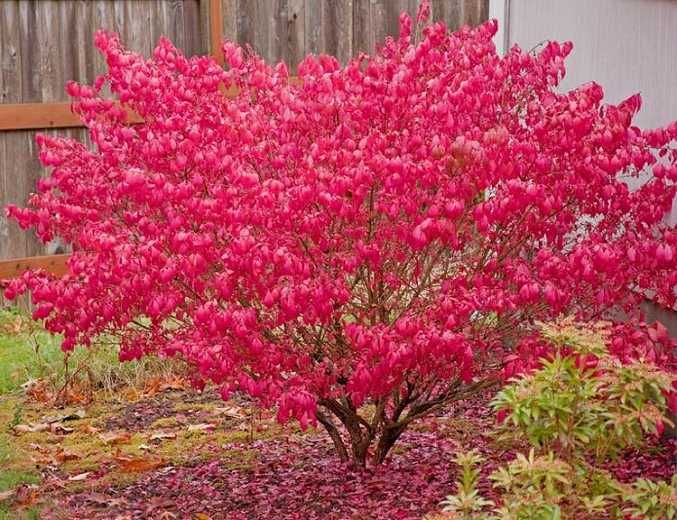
(370, 438)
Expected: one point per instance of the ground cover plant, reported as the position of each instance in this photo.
(362, 247)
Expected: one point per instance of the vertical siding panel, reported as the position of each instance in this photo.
(135, 20)
(393, 8)
(483, 11)
(84, 23)
(378, 23)
(453, 16)
(176, 26)
(7, 248)
(278, 24)
(67, 61)
(51, 72)
(30, 57)
(16, 187)
(261, 14)
(229, 11)
(103, 17)
(243, 22)
(338, 27)
(155, 22)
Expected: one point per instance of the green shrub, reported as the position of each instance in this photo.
(579, 409)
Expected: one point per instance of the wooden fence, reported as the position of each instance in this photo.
(44, 43)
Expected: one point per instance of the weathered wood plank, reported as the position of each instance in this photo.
(16, 188)
(55, 264)
(313, 26)
(10, 54)
(26, 116)
(296, 33)
(192, 29)
(392, 10)
(337, 28)
(31, 90)
(363, 36)
(278, 27)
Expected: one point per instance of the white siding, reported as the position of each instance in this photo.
(627, 46)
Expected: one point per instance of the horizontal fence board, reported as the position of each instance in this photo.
(28, 116)
(55, 264)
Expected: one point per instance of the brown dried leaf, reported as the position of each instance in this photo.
(129, 464)
(38, 390)
(201, 427)
(73, 416)
(26, 494)
(60, 428)
(62, 455)
(230, 411)
(31, 428)
(79, 477)
(162, 436)
(44, 460)
(6, 495)
(115, 437)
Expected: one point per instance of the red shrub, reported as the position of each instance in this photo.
(380, 234)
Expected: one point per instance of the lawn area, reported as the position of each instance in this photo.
(26, 351)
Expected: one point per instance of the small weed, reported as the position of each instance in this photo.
(16, 417)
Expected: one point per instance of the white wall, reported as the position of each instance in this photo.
(627, 46)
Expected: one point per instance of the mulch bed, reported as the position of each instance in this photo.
(299, 477)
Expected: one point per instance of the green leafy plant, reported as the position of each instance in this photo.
(577, 410)
(467, 503)
(653, 500)
(584, 400)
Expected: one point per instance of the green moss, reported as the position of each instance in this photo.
(239, 458)
(164, 422)
(15, 464)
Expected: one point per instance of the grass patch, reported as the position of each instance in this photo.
(28, 352)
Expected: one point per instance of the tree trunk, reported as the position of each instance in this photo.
(359, 435)
(384, 428)
(386, 441)
(360, 442)
(335, 435)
